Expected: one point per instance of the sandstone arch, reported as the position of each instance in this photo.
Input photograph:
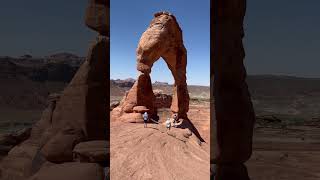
(163, 38)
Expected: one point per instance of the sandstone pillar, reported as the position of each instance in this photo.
(234, 115)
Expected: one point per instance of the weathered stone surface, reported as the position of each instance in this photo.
(59, 148)
(140, 109)
(131, 117)
(98, 16)
(18, 163)
(40, 127)
(140, 94)
(68, 171)
(156, 153)
(234, 118)
(163, 38)
(78, 114)
(91, 151)
(82, 105)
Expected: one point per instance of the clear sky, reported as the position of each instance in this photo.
(283, 37)
(129, 19)
(42, 27)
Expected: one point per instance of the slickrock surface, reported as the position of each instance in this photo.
(155, 153)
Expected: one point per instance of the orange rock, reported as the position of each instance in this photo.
(163, 38)
(140, 109)
(140, 94)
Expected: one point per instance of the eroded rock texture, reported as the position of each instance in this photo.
(78, 115)
(98, 17)
(140, 94)
(163, 38)
(234, 114)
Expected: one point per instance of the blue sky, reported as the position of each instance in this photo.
(281, 37)
(41, 28)
(129, 19)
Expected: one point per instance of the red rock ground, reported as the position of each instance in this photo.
(153, 153)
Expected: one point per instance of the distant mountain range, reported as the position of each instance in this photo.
(57, 67)
(26, 82)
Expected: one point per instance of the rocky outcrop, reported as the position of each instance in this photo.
(92, 152)
(163, 38)
(234, 115)
(20, 161)
(140, 94)
(79, 114)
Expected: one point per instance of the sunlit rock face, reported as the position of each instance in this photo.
(163, 38)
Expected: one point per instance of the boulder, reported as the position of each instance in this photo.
(59, 148)
(140, 109)
(131, 117)
(92, 152)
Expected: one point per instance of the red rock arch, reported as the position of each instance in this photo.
(163, 38)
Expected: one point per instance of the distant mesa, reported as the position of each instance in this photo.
(64, 55)
(124, 83)
(161, 83)
(130, 81)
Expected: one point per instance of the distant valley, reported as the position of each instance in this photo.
(27, 82)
